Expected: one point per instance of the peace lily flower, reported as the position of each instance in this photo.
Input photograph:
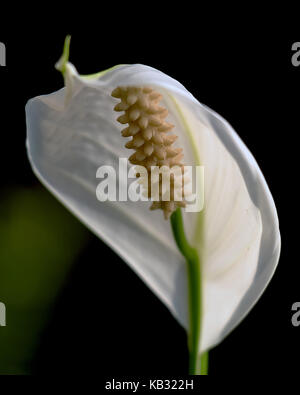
(210, 267)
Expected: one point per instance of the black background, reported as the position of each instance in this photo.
(241, 69)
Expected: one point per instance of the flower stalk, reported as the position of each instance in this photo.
(198, 364)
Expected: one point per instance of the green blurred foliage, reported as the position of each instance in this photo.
(39, 240)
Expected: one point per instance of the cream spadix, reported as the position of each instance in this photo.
(73, 131)
(153, 146)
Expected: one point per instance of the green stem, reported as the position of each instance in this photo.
(197, 363)
(204, 363)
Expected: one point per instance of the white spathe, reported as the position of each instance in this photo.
(73, 131)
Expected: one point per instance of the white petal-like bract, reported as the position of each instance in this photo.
(72, 132)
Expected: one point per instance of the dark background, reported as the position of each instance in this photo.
(108, 324)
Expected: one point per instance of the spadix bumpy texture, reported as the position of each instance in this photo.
(73, 131)
(153, 146)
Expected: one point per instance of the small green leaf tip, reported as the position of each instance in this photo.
(61, 64)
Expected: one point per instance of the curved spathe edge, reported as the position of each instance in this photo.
(263, 200)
